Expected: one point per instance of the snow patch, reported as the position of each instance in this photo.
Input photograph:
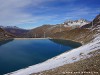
(79, 22)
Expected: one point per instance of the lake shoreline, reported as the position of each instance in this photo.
(3, 39)
(49, 38)
(29, 38)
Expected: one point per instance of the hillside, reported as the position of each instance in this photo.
(48, 30)
(79, 57)
(82, 34)
(37, 32)
(5, 35)
(14, 30)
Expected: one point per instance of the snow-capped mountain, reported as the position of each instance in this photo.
(79, 22)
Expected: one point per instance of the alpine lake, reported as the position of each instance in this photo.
(16, 54)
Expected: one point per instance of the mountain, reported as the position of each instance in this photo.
(14, 30)
(47, 30)
(82, 34)
(79, 22)
(5, 35)
(72, 30)
(94, 23)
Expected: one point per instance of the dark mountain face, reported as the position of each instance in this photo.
(16, 31)
(97, 19)
(94, 23)
(4, 34)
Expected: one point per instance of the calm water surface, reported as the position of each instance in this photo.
(18, 54)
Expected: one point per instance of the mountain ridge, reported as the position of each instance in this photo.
(51, 29)
(14, 30)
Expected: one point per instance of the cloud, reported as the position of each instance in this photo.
(82, 12)
(12, 11)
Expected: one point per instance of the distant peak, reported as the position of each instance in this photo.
(83, 20)
(13, 27)
(68, 21)
(78, 22)
(98, 16)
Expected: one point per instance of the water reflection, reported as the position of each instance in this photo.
(5, 41)
(66, 42)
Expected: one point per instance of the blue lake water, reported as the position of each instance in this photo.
(18, 54)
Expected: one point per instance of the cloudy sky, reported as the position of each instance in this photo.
(32, 13)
